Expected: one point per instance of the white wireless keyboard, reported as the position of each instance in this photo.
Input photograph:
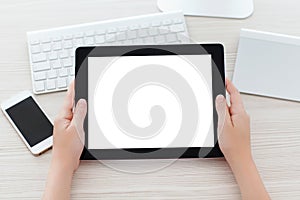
(51, 51)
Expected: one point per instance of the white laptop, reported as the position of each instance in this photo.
(268, 64)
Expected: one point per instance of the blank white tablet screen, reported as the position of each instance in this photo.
(107, 128)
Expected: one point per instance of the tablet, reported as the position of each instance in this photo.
(150, 101)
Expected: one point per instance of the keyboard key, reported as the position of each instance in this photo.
(171, 37)
(35, 48)
(78, 42)
(34, 42)
(56, 38)
(178, 21)
(177, 28)
(53, 55)
(46, 47)
(63, 72)
(68, 44)
(149, 40)
(131, 34)
(67, 62)
(39, 76)
(68, 37)
(167, 22)
(134, 27)
(89, 40)
(143, 32)
(70, 79)
(57, 45)
(78, 35)
(127, 42)
(55, 64)
(99, 39)
(39, 57)
(122, 28)
(156, 23)
(138, 41)
(160, 39)
(41, 66)
(145, 25)
(52, 74)
(50, 84)
(112, 30)
(153, 32)
(90, 33)
(72, 52)
(39, 86)
(61, 82)
(121, 36)
(46, 40)
(64, 54)
(164, 30)
(183, 38)
(71, 71)
(111, 37)
(100, 32)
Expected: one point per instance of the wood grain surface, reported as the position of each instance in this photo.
(275, 123)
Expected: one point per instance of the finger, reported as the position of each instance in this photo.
(224, 118)
(236, 101)
(79, 116)
(67, 109)
(69, 100)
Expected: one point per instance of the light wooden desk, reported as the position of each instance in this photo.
(275, 123)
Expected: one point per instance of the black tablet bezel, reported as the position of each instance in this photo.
(218, 86)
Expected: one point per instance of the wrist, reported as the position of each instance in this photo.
(238, 163)
(62, 165)
(243, 169)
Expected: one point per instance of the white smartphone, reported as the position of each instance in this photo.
(30, 121)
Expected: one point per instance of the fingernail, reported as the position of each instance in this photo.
(81, 102)
(220, 99)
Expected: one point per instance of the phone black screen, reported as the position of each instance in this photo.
(31, 121)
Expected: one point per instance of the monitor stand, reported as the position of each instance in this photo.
(211, 8)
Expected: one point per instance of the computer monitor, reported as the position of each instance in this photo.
(212, 8)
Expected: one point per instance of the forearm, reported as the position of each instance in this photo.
(58, 182)
(249, 180)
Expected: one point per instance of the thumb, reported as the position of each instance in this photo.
(79, 114)
(223, 112)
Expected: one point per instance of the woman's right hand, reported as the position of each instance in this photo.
(234, 141)
(233, 127)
